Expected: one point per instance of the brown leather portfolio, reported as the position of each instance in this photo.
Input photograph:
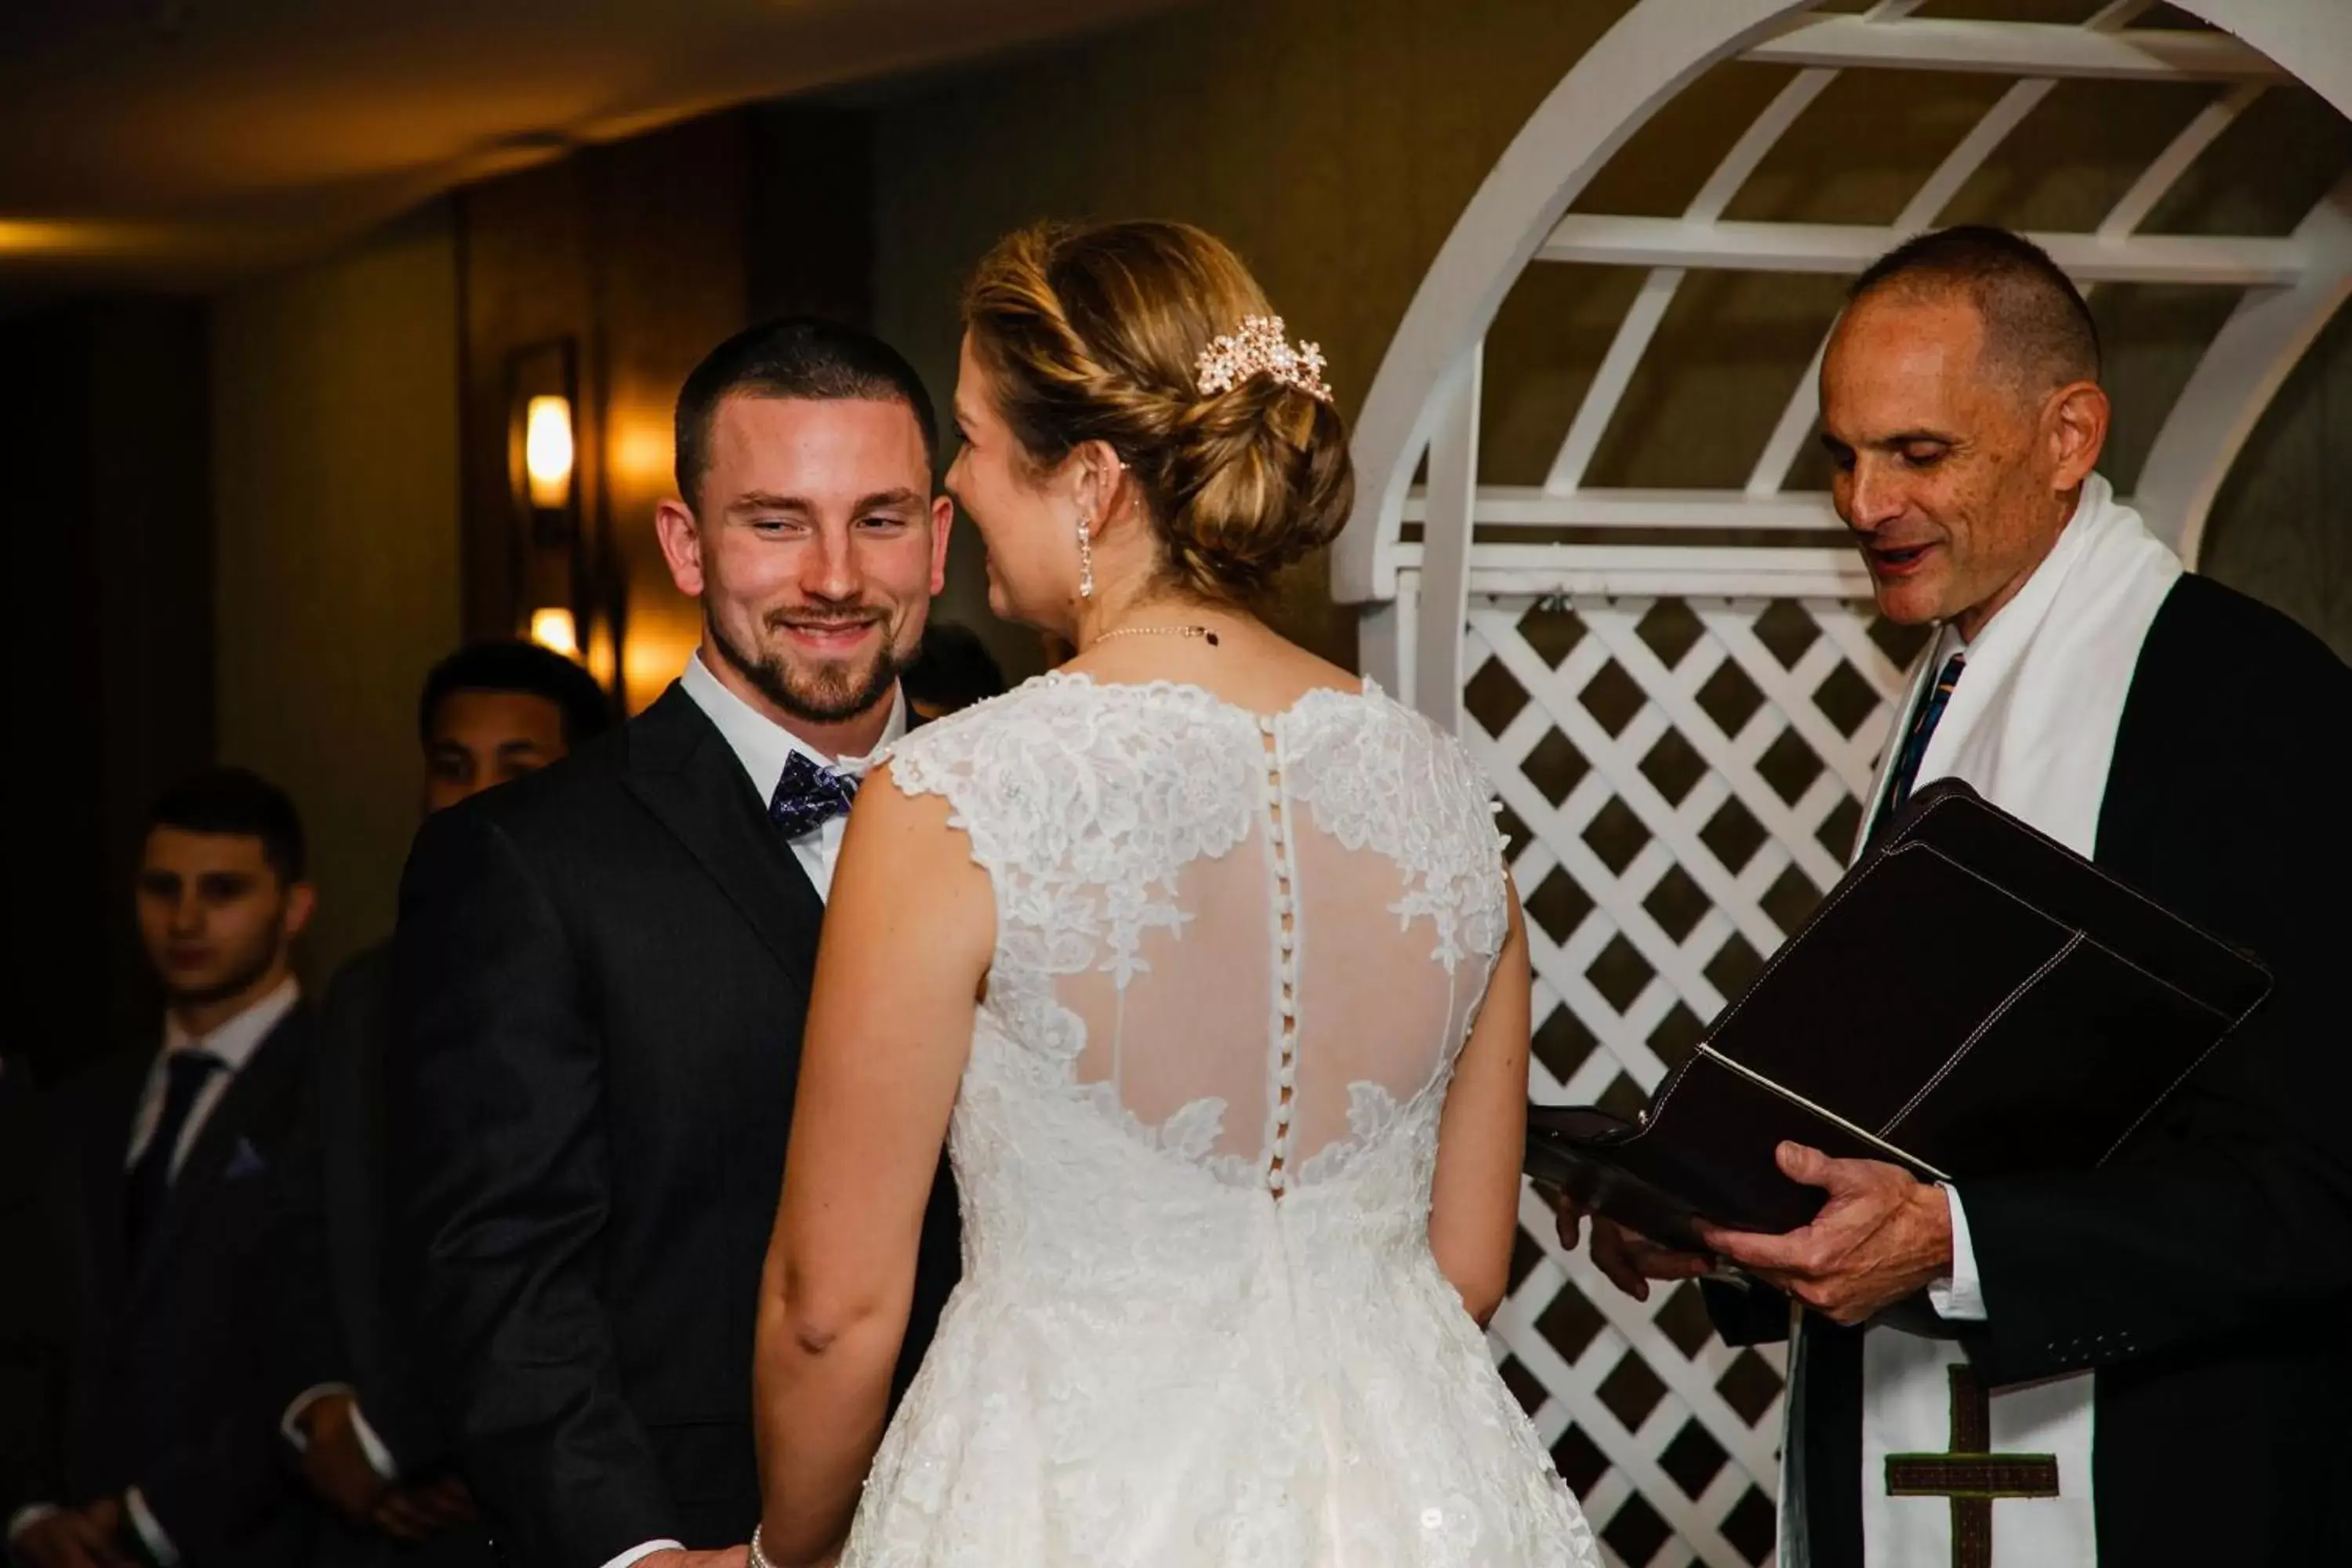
(1972, 999)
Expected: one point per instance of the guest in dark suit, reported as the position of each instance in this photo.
(36, 1311)
(366, 1439)
(166, 1170)
(602, 972)
(956, 670)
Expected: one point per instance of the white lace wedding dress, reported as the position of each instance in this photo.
(1199, 1321)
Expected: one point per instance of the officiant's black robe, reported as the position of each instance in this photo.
(2205, 1272)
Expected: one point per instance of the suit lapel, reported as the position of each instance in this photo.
(265, 1075)
(103, 1177)
(681, 769)
(2147, 755)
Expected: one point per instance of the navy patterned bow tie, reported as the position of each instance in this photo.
(808, 796)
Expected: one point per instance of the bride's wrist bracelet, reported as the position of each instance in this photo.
(756, 1557)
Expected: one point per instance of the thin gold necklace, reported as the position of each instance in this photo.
(1201, 632)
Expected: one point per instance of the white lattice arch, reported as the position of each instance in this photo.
(1423, 400)
(1680, 733)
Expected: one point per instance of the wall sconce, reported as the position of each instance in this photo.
(547, 451)
(542, 446)
(564, 596)
(552, 628)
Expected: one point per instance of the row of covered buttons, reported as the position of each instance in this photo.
(1285, 915)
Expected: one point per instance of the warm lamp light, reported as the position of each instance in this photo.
(547, 456)
(553, 629)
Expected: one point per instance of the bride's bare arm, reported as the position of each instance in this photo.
(1474, 1207)
(906, 940)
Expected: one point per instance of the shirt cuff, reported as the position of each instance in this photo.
(648, 1549)
(372, 1444)
(1958, 1297)
(290, 1426)
(151, 1532)
(25, 1518)
(379, 1455)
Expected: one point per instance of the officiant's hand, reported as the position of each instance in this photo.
(1883, 1236)
(1629, 1260)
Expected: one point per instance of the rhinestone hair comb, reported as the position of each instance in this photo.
(1262, 347)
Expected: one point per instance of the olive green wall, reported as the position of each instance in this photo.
(337, 579)
(1333, 142)
(2281, 529)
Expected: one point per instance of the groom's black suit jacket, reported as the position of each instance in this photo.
(2205, 1273)
(600, 976)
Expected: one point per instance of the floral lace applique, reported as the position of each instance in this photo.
(1160, 1353)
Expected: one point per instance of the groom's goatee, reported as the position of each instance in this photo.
(819, 694)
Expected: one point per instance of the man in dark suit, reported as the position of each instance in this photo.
(2144, 1364)
(36, 1311)
(366, 1440)
(166, 1170)
(601, 972)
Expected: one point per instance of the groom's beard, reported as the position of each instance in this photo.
(816, 693)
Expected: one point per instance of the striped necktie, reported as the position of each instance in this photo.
(1915, 742)
(185, 1073)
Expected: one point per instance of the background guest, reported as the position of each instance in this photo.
(367, 1445)
(35, 1311)
(166, 1167)
(954, 670)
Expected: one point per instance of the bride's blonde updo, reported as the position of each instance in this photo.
(1096, 333)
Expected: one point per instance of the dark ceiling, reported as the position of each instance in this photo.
(181, 143)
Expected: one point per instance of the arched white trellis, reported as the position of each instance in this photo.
(1679, 732)
(1424, 400)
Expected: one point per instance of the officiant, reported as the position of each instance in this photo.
(2147, 1364)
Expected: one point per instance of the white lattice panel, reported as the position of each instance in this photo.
(1681, 780)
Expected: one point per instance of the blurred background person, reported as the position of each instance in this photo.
(496, 710)
(166, 1167)
(365, 1440)
(34, 1313)
(954, 670)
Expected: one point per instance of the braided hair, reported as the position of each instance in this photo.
(1095, 334)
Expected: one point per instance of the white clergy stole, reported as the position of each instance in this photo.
(2030, 727)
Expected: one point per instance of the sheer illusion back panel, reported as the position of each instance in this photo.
(1263, 934)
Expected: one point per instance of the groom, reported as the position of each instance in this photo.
(601, 972)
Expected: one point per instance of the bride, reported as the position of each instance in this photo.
(1202, 956)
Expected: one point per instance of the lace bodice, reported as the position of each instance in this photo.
(1249, 941)
(1236, 957)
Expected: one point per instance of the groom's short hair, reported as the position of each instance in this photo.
(794, 356)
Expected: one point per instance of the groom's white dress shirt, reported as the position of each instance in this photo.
(763, 746)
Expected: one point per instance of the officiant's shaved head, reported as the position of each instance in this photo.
(2038, 332)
